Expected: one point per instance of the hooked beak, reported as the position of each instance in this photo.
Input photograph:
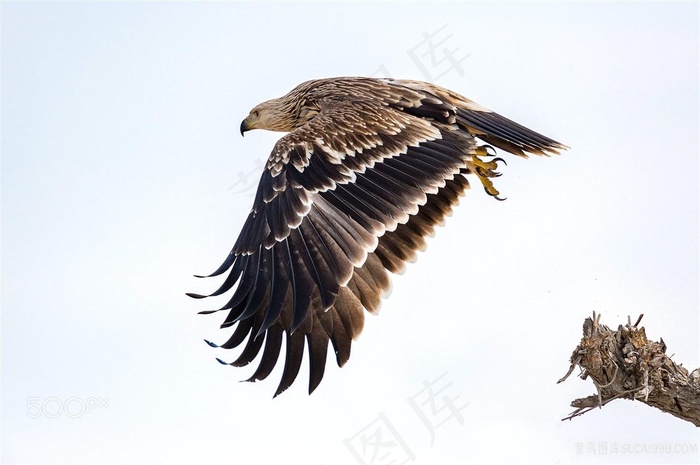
(244, 126)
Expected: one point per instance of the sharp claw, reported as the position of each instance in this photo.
(487, 173)
(487, 169)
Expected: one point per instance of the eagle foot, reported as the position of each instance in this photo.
(486, 170)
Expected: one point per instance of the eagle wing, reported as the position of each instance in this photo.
(344, 199)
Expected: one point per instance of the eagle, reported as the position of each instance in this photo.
(367, 170)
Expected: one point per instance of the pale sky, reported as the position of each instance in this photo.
(123, 174)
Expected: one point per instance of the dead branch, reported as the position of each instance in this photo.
(624, 364)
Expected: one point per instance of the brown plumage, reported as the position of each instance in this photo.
(367, 170)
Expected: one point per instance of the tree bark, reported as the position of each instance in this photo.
(624, 364)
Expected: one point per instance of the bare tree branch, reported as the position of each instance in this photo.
(624, 364)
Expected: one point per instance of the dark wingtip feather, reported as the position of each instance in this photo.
(195, 296)
(207, 312)
(211, 344)
(239, 335)
(340, 339)
(292, 362)
(318, 351)
(221, 361)
(250, 351)
(273, 344)
(224, 266)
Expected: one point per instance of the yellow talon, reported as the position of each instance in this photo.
(485, 170)
(488, 187)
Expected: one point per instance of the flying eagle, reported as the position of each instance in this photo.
(367, 169)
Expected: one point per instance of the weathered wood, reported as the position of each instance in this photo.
(624, 364)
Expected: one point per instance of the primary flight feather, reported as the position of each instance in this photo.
(367, 169)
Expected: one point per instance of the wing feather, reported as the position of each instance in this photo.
(239, 334)
(348, 233)
(395, 206)
(250, 351)
(271, 353)
(292, 362)
(237, 266)
(369, 282)
(340, 337)
(260, 286)
(317, 341)
(301, 281)
(279, 285)
(363, 215)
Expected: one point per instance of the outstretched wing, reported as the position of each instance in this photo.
(343, 200)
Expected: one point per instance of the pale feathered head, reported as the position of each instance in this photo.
(273, 115)
(282, 114)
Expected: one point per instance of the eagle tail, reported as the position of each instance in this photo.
(505, 134)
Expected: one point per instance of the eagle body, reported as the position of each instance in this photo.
(366, 171)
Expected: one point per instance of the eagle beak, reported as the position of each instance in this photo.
(244, 126)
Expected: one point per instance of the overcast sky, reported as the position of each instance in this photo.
(123, 174)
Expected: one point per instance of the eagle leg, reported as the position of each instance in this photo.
(486, 170)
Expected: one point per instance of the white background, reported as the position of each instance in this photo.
(123, 174)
